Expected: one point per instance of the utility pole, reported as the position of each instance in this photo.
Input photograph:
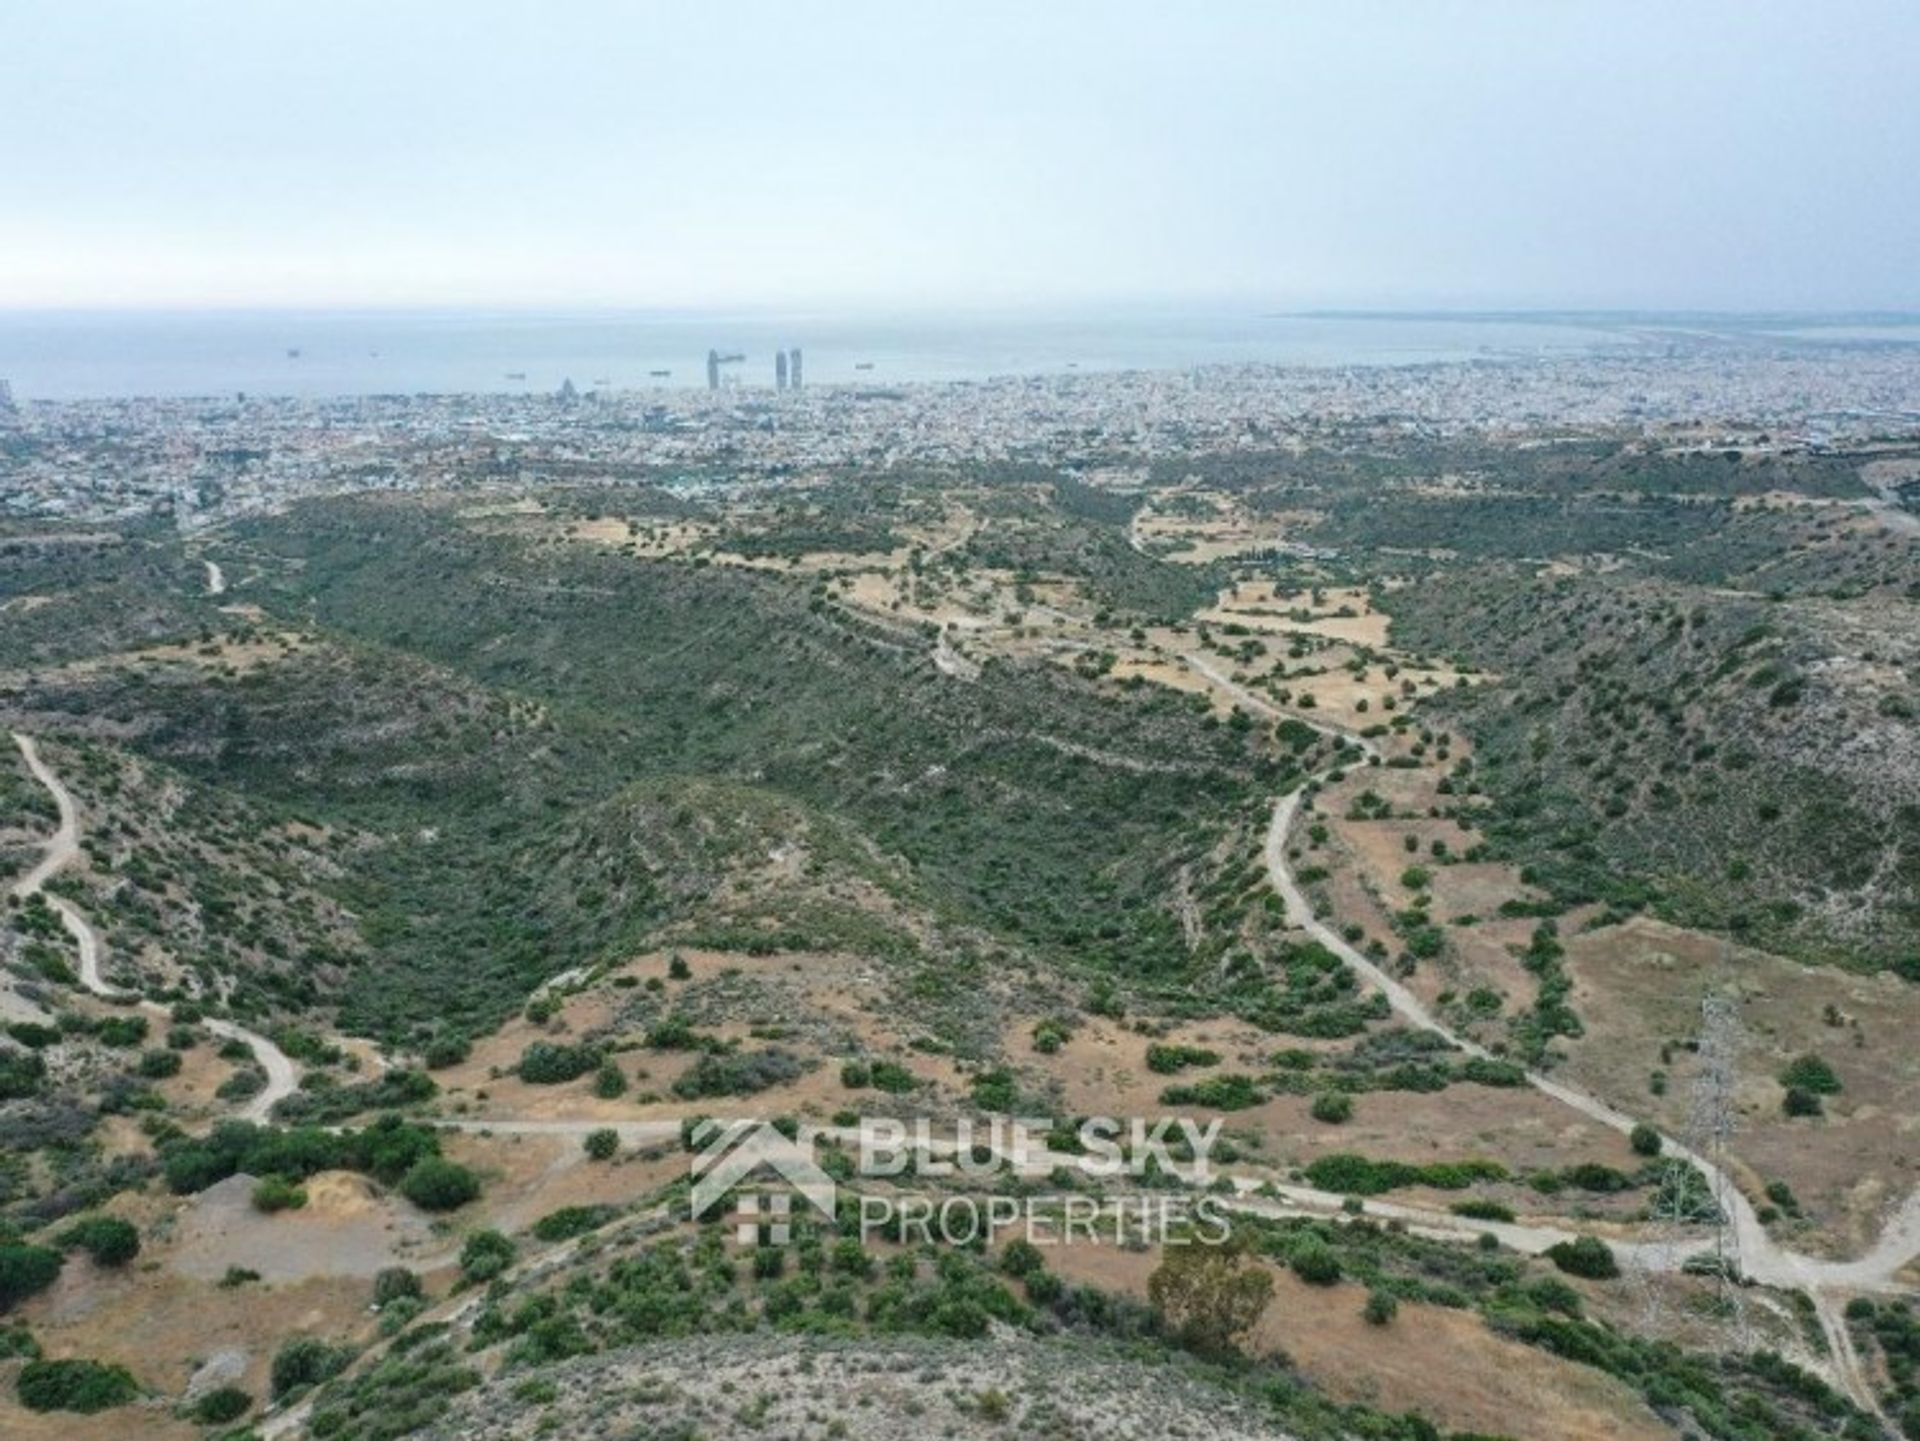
(1676, 1205)
(1710, 1128)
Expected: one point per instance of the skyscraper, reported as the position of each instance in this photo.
(793, 368)
(779, 370)
(713, 370)
(6, 398)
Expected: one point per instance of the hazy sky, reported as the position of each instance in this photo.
(1542, 152)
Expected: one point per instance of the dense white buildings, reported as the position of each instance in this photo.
(205, 459)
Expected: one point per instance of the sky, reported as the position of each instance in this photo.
(1713, 154)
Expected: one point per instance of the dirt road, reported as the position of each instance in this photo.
(1760, 1257)
(61, 849)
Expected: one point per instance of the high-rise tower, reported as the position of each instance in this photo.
(779, 370)
(713, 370)
(6, 398)
(793, 367)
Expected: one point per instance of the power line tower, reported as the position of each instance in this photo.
(1685, 1192)
(1711, 1122)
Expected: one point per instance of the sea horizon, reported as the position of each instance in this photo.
(320, 352)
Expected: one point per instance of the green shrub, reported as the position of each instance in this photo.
(272, 1194)
(395, 1283)
(122, 1031)
(485, 1255)
(1382, 1306)
(1050, 1035)
(602, 1144)
(33, 1035)
(159, 1065)
(570, 1221)
(997, 1091)
(893, 1078)
(546, 1064)
(1021, 1258)
(385, 1150)
(1231, 1092)
(437, 1184)
(609, 1081)
(1353, 1175)
(25, 1271)
(218, 1408)
(22, 1073)
(1478, 1210)
(108, 1239)
(1484, 1072)
(1167, 1060)
(446, 1050)
(1315, 1262)
(1333, 1107)
(1587, 1256)
(306, 1361)
(1799, 1101)
(82, 1386)
(738, 1075)
(1810, 1073)
(1644, 1140)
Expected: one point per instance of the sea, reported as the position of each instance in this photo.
(51, 355)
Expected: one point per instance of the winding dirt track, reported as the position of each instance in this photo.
(61, 848)
(1827, 1282)
(1761, 1258)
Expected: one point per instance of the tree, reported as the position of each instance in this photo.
(602, 1144)
(609, 1082)
(1644, 1140)
(435, 1184)
(1382, 1306)
(1210, 1296)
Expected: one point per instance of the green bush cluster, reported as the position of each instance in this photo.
(74, 1385)
(1353, 1175)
